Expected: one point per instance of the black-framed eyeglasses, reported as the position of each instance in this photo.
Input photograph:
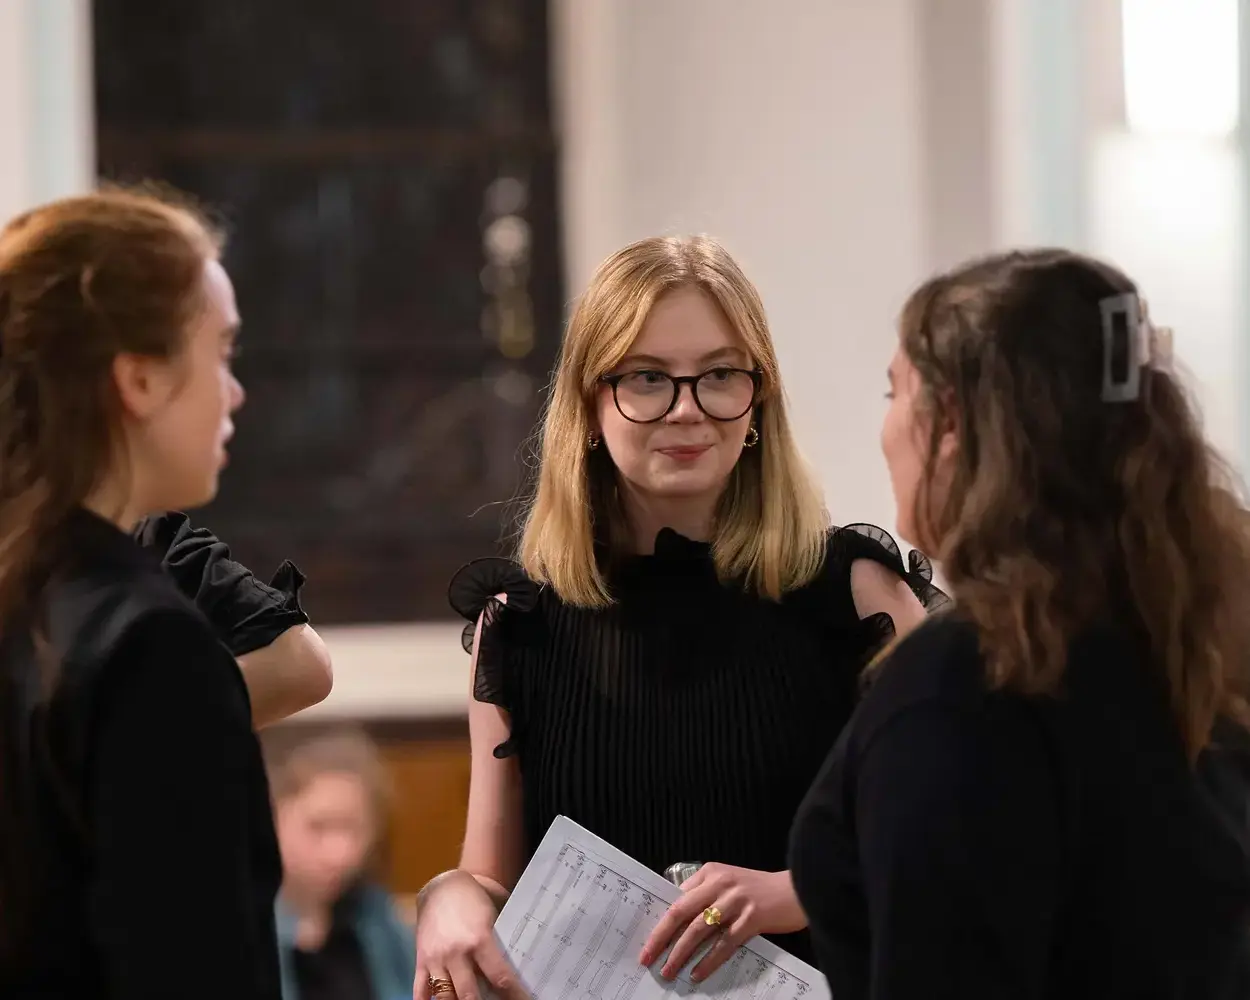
(645, 396)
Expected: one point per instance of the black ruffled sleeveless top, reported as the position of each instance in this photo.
(685, 722)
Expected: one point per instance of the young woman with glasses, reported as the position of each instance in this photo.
(673, 656)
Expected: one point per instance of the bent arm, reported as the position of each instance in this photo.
(289, 675)
(285, 664)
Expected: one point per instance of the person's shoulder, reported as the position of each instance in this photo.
(939, 661)
(851, 543)
(91, 586)
(828, 596)
(99, 607)
(946, 643)
(491, 578)
(492, 588)
(377, 905)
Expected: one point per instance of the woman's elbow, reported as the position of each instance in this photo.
(314, 666)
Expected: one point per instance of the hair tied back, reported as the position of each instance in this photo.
(1130, 343)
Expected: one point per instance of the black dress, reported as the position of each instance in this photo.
(685, 722)
(146, 834)
(967, 844)
(245, 613)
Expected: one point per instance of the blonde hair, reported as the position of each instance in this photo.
(770, 522)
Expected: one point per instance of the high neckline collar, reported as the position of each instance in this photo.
(672, 545)
(85, 519)
(677, 563)
(88, 530)
(674, 556)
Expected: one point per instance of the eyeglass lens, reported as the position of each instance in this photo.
(723, 394)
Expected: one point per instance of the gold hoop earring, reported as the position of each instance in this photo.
(753, 438)
(594, 442)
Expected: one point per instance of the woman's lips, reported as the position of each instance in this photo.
(687, 453)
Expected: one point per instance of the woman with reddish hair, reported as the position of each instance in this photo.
(137, 852)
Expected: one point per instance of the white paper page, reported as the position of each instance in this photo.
(579, 916)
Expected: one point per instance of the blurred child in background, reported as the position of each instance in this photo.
(340, 937)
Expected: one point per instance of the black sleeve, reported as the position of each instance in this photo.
(960, 842)
(177, 808)
(867, 541)
(245, 613)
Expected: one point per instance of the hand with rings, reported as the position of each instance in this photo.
(456, 943)
(734, 904)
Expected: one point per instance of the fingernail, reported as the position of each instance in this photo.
(697, 976)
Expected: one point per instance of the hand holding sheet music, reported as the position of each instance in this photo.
(581, 912)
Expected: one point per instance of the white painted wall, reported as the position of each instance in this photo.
(1170, 211)
(791, 132)
(16, 107)
(47, 137)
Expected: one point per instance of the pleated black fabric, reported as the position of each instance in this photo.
(686, 722)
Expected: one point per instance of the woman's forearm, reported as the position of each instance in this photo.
(290, 674)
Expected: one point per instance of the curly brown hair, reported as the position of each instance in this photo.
(1060, 509)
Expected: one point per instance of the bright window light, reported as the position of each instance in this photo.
(1181, 66)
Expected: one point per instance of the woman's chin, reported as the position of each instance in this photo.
(201, 497)
(687, 484)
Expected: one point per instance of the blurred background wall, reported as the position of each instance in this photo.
(417, 190)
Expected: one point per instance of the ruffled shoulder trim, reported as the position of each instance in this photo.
(475, 583)
(867, 541)
(474, 593)
(475, 586)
